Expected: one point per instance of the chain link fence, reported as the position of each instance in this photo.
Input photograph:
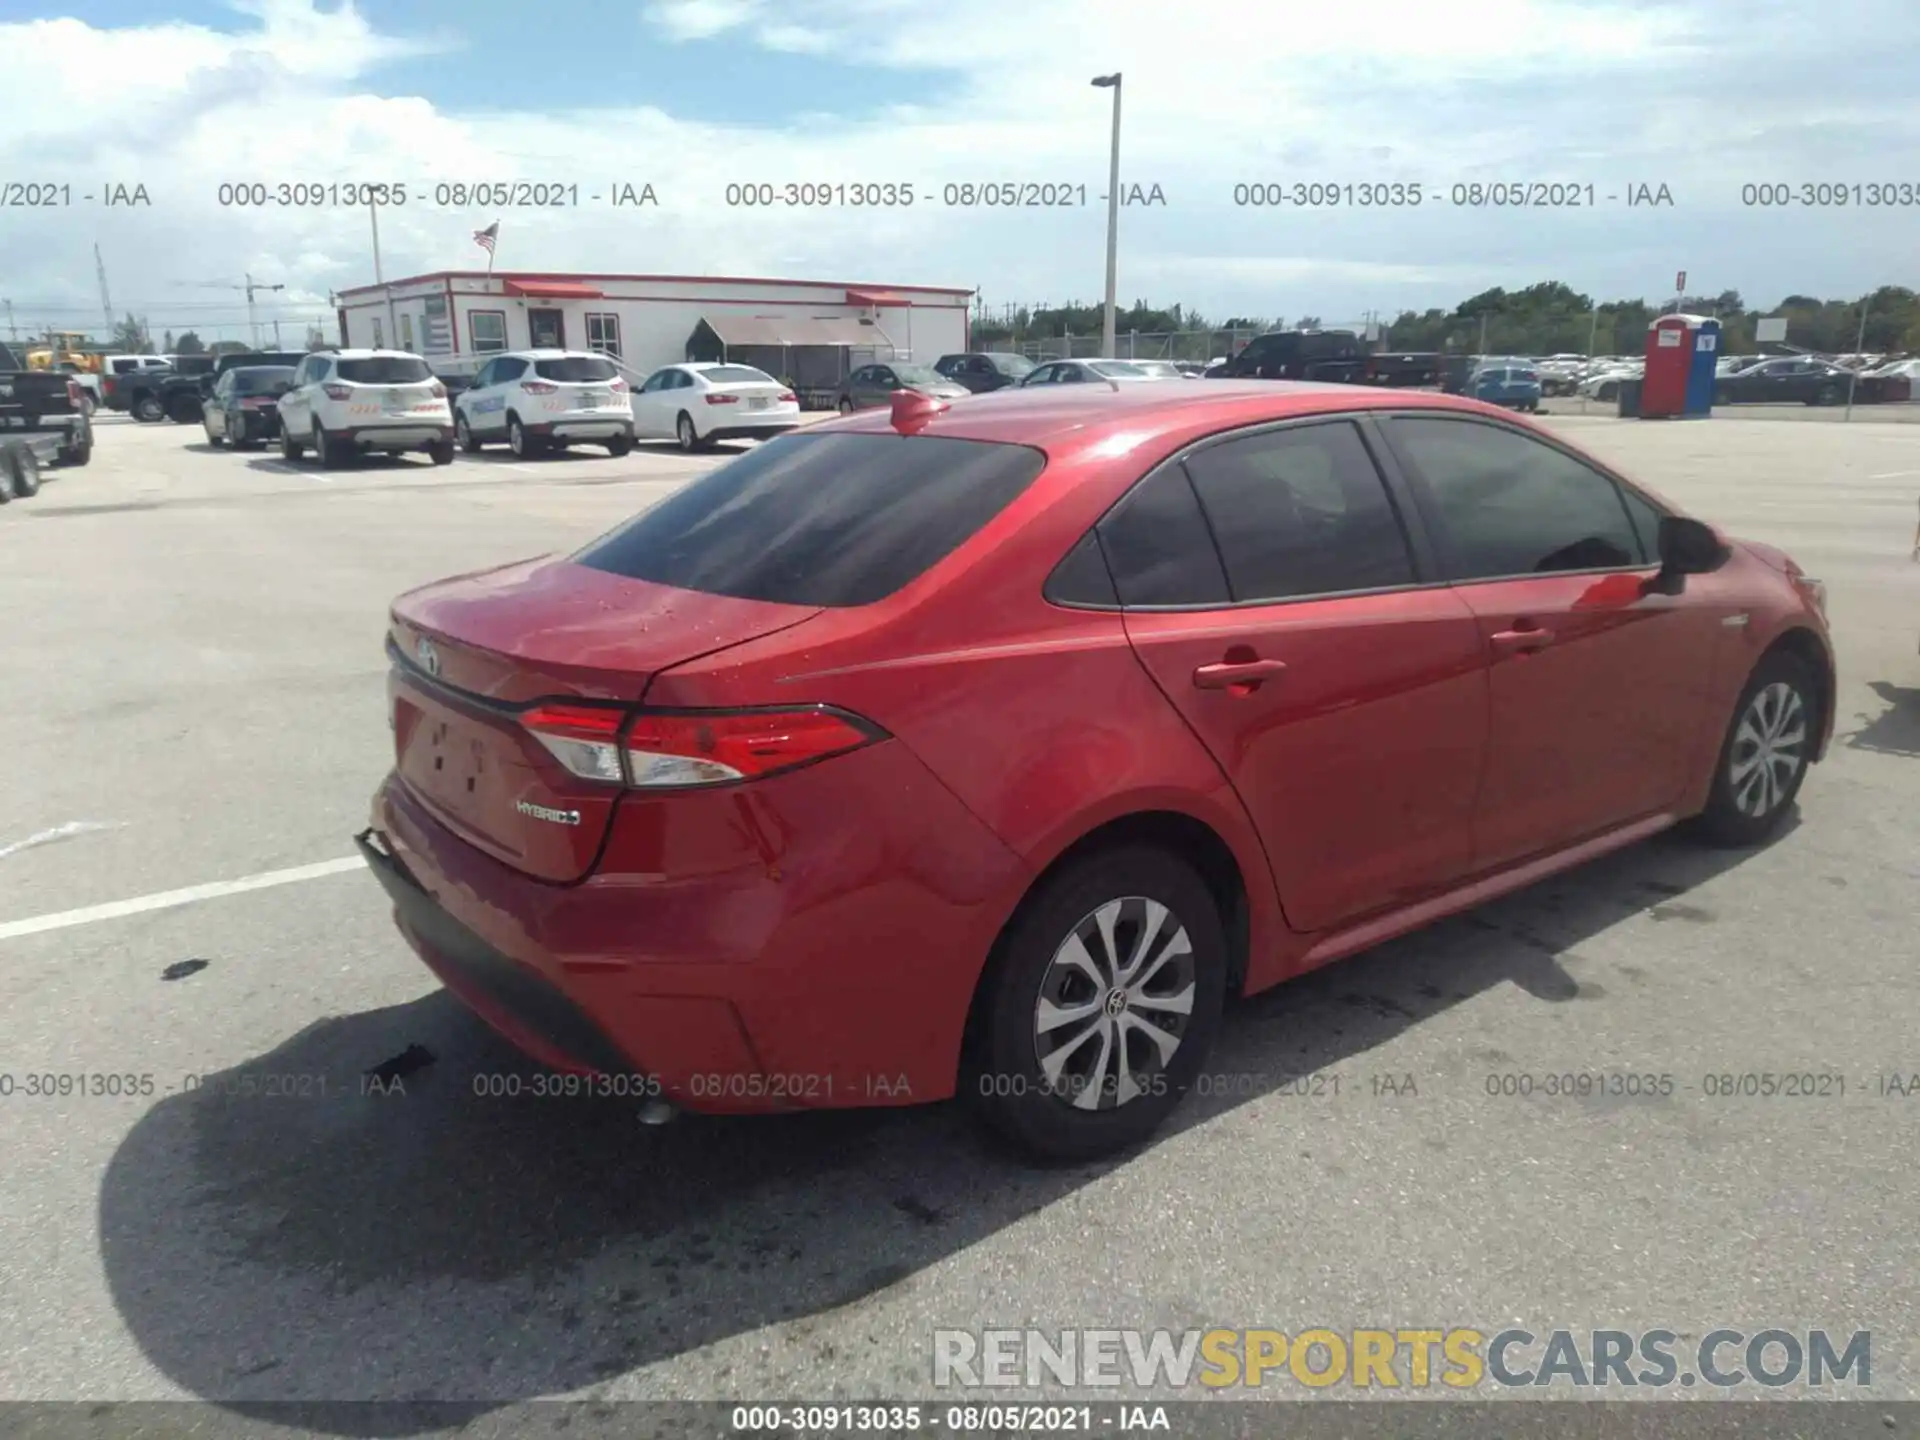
(1195, 345)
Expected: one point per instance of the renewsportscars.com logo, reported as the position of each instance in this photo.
(1456, 1359)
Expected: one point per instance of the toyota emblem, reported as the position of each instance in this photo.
(429, 657)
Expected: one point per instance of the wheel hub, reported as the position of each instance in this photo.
(1769, 746)
(1114, 1004)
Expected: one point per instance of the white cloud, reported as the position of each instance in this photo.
(1698, 97)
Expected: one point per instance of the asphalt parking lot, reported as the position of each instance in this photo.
(195, 696)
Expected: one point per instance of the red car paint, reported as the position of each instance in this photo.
(815, 937)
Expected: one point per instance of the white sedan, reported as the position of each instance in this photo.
(698, 404)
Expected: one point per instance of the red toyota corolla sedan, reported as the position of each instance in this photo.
(987, 747)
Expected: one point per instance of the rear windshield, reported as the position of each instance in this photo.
(262, 381)
(384, 370)
(576, 368)
(820, 519)
(1014, 365)
(737, 375)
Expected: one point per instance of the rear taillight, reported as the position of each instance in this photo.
(438, 390)
(662, 750)
(109, 386)
(715, 398)
(538, 387)
(338, 392)
(75, 395)
(619, 387)
(787, 397)
(584, 738)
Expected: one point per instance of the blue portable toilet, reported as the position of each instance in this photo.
(1704, 332)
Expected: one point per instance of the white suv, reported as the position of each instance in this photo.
(536, 399)
(347, 401)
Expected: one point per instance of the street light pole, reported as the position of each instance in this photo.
(1108, 340)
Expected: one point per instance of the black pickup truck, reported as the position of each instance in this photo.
(182, 396)
(1338, 357)
(43, 421)
(143, 393)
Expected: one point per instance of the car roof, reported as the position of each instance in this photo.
(546, 354)
(1069, 420)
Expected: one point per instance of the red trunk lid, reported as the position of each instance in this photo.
(542, 629)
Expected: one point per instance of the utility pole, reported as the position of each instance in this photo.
(1107, 324)
(1859, 345)
(1483, 332)
(13, 330)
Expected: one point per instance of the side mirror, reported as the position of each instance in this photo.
(1687, 547)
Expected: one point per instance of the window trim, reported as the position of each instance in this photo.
(474, 342)
(609, 322)
(1436, 527)
(1426, 563)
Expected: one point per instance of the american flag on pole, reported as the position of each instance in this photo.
(487, 238)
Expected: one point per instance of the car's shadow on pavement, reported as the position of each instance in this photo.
(429, 1241)
(1896, 729)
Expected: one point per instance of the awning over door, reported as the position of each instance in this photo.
(786, 331)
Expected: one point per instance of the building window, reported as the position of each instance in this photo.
(379, 335)
(603, 334)
(487, 329)
(406, 333)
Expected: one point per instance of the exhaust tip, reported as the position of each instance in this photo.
(657, 1112)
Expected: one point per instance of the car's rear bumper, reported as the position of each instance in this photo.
(583, 427)
(756, 949)
(752, 432)
(410, 436)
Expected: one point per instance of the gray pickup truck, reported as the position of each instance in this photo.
(43, 422)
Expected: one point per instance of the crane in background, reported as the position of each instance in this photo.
(106, 300)
(251, 287)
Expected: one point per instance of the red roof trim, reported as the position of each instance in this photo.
(554, 290)
(470, 297)
(538, 275)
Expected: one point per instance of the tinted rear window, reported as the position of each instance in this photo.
(738, 375)
(261, 381)
(384, 370)
(820, 519)
(576, 369)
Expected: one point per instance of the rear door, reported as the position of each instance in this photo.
(1596, 687)
(1280, 603)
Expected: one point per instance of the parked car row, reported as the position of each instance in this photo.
(339, 404)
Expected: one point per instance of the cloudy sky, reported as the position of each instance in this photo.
(688, 96)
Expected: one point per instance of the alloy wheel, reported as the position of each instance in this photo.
(1769, 749)
(1114, 1004)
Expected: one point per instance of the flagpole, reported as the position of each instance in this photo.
(492, 248)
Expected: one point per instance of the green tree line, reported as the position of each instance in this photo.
(1544, 319)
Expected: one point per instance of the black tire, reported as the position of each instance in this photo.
(441, 451)
(148, 410)
(463, 433)
(846, 407)
(246, 442)
(290, 446)
(620, 445)
(25, 481)
(331, 453)
(183, 411)
(1002, 1076)
(685, 433)
(1726, 821)
(523, 445)
(79, 447)
(212, 439)
(1828, 395)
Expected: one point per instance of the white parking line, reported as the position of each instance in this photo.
(167, 899)
(1893, 474)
